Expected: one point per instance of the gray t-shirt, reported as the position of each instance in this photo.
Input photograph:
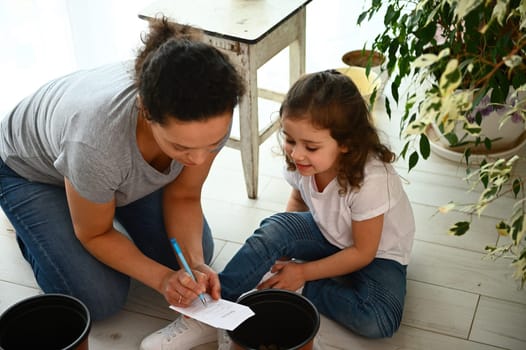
(83, 127)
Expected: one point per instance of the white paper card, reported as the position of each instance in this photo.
(220, 313)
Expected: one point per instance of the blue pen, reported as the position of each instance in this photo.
(185, 265)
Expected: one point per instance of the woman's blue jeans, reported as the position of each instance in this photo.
(369, 301)
(40, 215)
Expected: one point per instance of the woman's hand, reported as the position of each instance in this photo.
(179, 288)
(213, 285)
(287, 275)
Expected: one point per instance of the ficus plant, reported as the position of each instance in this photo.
(448, 61)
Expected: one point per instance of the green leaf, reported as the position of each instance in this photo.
(393, 49)
(484, 176)
(404, 150)
(425, 60)
(450, 78)
(413, 160)
(490, 193)
(404, 63)
(516, 187)
(361, 17)
(466, 6)
(391, 15)
(517, 227)
(500, 87)
(503, 228)
(490, 248)
(452, 138)
(427, 33)
(467, 154)
(487, 143)
(499, 11)
(425, 148)
(459, 228)
(394, 88)
(372, 98)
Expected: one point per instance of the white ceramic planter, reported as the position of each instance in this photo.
(504, 137)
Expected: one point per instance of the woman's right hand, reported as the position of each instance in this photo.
(179, 289)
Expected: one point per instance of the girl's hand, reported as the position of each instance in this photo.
(179, 288)
(288, 275)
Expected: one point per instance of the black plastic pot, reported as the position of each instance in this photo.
(283, 319)
(46, 322)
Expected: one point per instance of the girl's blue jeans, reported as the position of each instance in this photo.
(40, 215)
(369, 301)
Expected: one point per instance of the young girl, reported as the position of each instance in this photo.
(348, 230)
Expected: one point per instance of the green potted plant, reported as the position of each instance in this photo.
(464, 59)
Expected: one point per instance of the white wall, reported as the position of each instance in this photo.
(43, 39)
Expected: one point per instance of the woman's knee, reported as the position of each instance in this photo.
(104, 299)
(103, 290)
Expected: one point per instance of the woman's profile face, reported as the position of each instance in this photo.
(191, 142)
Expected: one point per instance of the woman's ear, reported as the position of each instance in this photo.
(343, 149)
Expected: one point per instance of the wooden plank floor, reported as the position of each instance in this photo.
(456, 299)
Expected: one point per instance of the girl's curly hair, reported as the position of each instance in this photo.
(332, 101)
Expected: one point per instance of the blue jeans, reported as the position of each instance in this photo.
(369, 302)
(40, 215)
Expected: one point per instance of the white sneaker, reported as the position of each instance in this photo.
(182, 334)
(223, 340)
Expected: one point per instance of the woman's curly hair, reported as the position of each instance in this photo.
(179, 76)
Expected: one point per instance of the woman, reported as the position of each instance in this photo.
(120, 145)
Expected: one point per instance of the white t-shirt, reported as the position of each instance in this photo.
(382, 192)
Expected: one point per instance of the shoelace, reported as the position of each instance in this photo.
(177, 327)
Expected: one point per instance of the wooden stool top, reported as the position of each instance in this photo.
(240, 20)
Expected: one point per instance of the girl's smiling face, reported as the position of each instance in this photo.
(313, 150)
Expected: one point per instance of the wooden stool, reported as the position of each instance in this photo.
(250, 33)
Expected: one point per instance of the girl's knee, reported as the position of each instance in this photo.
(374, 327)
(373, 331)
(277, 225)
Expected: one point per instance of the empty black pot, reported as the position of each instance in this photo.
(283, 320)
(46, 322)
